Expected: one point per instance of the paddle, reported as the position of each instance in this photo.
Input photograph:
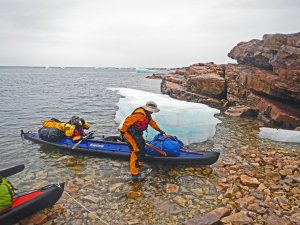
(191, 151)
(160, 151)
(90, 135)
(12, 170)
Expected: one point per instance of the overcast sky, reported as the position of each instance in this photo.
(129, 33)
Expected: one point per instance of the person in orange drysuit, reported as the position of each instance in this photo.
(132, 130)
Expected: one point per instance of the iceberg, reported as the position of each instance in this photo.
(279, 135)
(144, 70)
(190, 122)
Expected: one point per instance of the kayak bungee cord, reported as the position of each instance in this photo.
(82, 206)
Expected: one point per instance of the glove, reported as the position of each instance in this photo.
(82, 121)
(161, 132)
(77, 138)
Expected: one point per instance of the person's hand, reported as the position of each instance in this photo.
(77, 138)
(82, 121)
(162, 132)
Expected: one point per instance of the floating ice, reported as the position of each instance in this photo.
(280, 134)
(144, 70)
(190, 122)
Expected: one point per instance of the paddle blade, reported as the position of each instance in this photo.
(12, 170)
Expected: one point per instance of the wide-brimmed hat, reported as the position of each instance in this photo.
(151, 107)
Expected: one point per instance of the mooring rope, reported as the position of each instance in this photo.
(83, 205)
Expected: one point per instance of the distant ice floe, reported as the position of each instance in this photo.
(190, 122)
(280, 135)
(144, 70)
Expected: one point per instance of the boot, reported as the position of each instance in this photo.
(137, 178)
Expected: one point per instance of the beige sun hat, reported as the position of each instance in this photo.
(151, 107)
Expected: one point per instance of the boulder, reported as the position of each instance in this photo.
(238, 218)
(259, 53)
(249, 181)
(210, 218)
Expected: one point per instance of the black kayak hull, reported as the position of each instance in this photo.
(47, 197)
(113, 148)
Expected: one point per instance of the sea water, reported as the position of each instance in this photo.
(31, 94)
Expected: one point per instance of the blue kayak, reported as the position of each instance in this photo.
(111, 146)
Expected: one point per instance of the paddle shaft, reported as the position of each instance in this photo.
(86, 137)
(160, 151)
(190, 151)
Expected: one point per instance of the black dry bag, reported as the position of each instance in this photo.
(51, 134)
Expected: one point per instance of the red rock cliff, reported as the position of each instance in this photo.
(265, 82)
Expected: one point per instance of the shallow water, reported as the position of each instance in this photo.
(29, 95)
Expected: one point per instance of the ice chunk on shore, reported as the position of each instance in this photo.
(280, 134)
(190, 122)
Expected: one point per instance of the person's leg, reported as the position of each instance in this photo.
(141, 146)
(133, 163)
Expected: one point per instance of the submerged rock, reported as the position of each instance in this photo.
(210, 218)
(249, 181)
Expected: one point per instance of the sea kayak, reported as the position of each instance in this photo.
(110, 146)
(27, 204)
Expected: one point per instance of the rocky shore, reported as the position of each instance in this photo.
(257, 187)
(265, 83)
(255, 181)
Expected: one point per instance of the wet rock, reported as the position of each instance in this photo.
(255, 207)
(115, 187)
(172, 188)
(35, 219)
(276, 220)
(238, 218)
(68, 160)
(245, 201)
(241, 110)
(249, 181)
(286, 172)
(71, 187)
(261, 187)
(273, 176)
(210, 218)
(197, 191)
(295, 191)
(180, 200)
(90, 198)
(41, 175)
(295, 218)
(230, 192)
(133, 194)
(296, 178)
(205, 170)
(134, 221)
(162, 206)
(173, 173)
